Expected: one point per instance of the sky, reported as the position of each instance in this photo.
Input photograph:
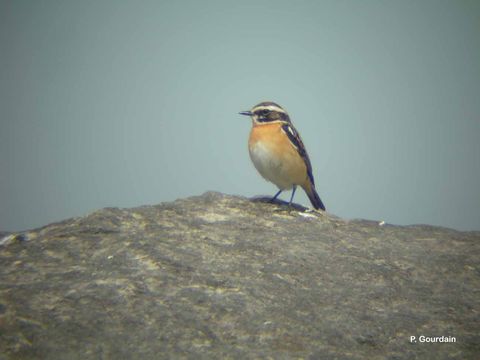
(128, 103)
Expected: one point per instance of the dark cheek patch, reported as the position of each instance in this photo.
(284, 117)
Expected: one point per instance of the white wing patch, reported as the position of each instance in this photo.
(292, 132)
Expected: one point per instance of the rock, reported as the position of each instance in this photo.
(220, 276)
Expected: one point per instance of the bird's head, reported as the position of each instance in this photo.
(267, 112)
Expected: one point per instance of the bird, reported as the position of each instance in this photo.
(278, 153)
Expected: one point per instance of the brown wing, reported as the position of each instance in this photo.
(296, 141)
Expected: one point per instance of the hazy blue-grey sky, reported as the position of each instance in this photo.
(126, 103)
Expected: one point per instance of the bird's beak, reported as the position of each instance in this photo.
(247, 113)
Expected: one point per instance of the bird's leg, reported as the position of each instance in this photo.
(293, 193)
(276, 195)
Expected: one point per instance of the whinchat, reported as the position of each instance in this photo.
(278, 153)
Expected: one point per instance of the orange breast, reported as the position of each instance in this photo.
(268, 134)
(287, 168)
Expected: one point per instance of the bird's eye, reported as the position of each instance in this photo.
(265, 112)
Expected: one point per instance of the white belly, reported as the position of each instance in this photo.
(270, 166)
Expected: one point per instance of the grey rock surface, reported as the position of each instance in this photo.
(220, 276)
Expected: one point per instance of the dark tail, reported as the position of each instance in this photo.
(314, 198)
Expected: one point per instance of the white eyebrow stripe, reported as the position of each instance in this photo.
(269, 107)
